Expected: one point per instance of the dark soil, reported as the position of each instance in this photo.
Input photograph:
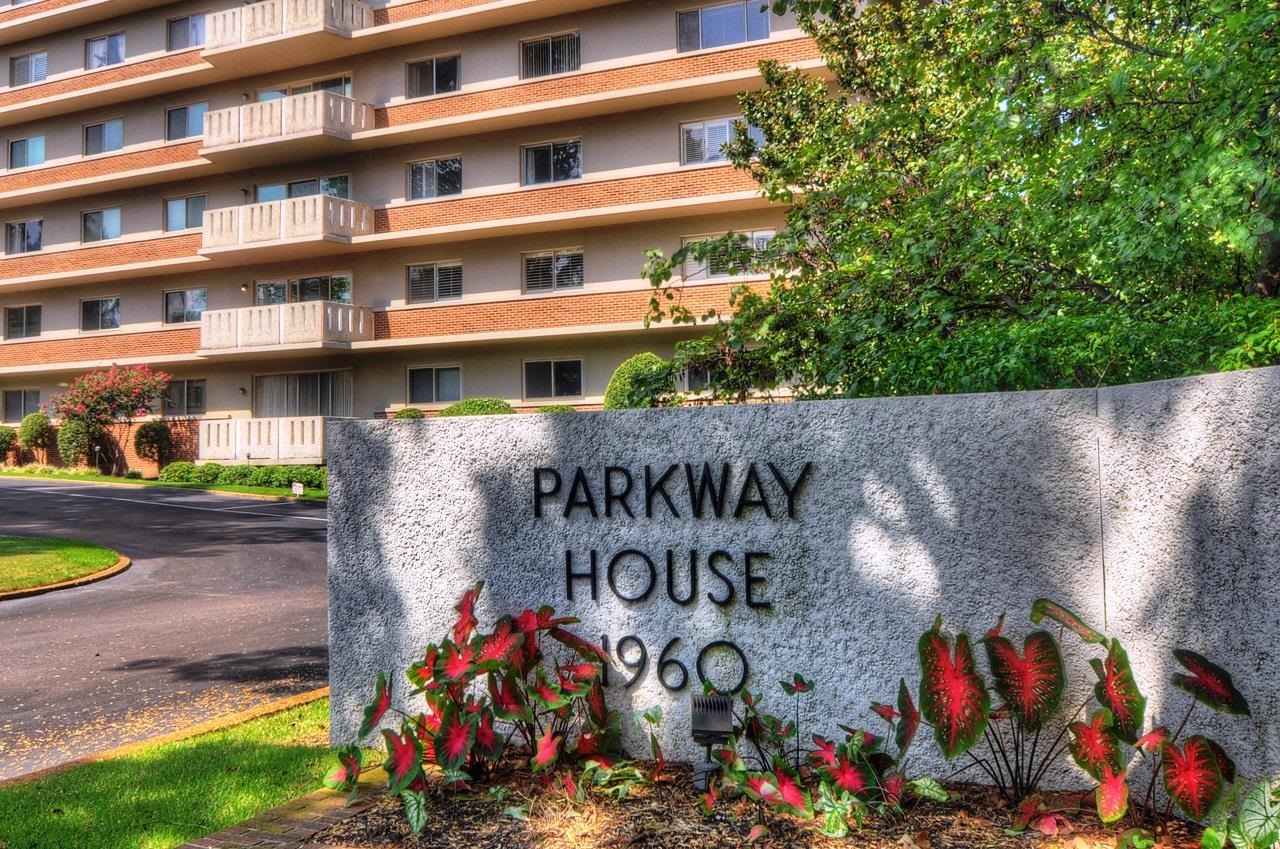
(666, 815)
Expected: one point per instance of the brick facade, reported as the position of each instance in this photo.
(37, 263)
(102, 77)
(116, 346)
(105, 166)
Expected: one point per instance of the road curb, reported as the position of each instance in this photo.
(254, 496)
(209, 726)
(119, 566)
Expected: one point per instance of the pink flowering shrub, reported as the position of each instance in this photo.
(116, 394)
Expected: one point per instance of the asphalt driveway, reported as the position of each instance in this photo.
(223, 609)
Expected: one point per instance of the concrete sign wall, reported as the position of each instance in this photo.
(823, 538)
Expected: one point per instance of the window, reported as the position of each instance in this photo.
(337, 85)
(336, 187)
(323, 287)
(28, 68)
(439, 281)
(103, 51)
(432, 76)
(99, 314)
(184, 306)
(182, 122)
(435, 178)
(324, 393)
(556, 54)
(23, 153)
(23, 236)
(183, 398)
(727, 23)
(728, 262)
(22, 322)
(100, 225)
(186, 32)
(20, 403)
(184, 213)
(104, 137)
(704, 141)
(435, 385)
(553, 379)
(550, 271)
(551, 163)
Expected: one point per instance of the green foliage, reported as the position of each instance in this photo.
(236, 475)
(409, 413)
(276, 477)
(618, 395)
(75, 440)
(153, 440)
(105, 396)
(1246, 817)
(556, 408)
(183, 471)
(1007, 196)
(8, 439)
(36, 432)
(207, 473)
(477, 407)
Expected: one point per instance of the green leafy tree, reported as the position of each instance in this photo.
(100, 398)
(618, 395)
(1001, 195)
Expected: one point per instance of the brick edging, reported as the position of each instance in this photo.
(26, 592)
(293, 824)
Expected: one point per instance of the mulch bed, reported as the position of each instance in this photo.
(666, 815)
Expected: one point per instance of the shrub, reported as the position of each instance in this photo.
(36, 432)
(476, 685)
(556, 408)
(74, 442)
(312, 477)
(207, 474)
(409, 413)
(235, 475)
(153, 440)
(116, 394)
(133, 474)
(8, 438)
(182, 471)
(478, 407)
(618, 394)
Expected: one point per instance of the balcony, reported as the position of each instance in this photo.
(296, 227)
(250, 35)
(260, 442)
(318, 123)
(315, 324)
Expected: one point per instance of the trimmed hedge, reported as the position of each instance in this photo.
(74, 442)
(409, 413)
(153, 440)
(36, 432)
(556, 408)
(617, 395)
(8, 438)
(277, 477)
(478, 407)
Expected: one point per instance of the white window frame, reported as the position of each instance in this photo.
(30, 59)
(26, 140)
(524, 377)
(718, 156)
(434, 60)
(549, 38)
(23, 224)
(435, 296)
(433, 367)
(166, 404)
(164, 212)
(25, 412)
(88, 47)
(102, 210)
(199, 131)
(84, 137)
(747, 6)
(164, 304)
(24, 308)
(119, 309)
(706, 273)
(555, 286)
(191, 44)
(434, 162)
(524, 162)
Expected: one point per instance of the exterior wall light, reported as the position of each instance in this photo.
(711, 724)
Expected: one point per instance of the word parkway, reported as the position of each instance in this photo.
(678, 490)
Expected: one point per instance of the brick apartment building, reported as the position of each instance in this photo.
(305, 209)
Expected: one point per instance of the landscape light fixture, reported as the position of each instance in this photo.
(711, 724)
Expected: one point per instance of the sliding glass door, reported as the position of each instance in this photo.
(318, 393)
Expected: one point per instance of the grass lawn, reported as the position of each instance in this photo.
(166, 795)
(35, 562)
(308, 495)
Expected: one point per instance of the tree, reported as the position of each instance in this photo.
(104, 397)
(1005, 195)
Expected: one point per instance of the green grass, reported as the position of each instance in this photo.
(307, 495)
(34, 562)
(167, 795)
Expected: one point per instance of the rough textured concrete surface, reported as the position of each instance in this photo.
(967, 506)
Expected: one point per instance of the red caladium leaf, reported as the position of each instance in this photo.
(1045, 607)
(547, 693)
(798, 684)
(456, 661)
(824, 752)
(885, 712)
(1209, 683)
(782, 789)
(1226, 766)
(893, 787)
(455, 739)
(855, 777)
(1153, 740)
(589, 743)
(1191, 776)
(1094, 746)
(597, 709)
(906, 730)
(466, 623)
(489, 743)
(590, 651)
(346, 777)
(547, 752)
(1031, 683)
(504, 696)
(570, 686)
(582, 673)
(378, 708)
(953, 697)
(1112, 795)
(542, 619)
(1117, 691)
(493, 650)
(404, 759)
(422, 673)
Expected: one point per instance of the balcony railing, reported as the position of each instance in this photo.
(293, 440)
(314, 112)
(313, 216)
(315, 322)
(274, 18)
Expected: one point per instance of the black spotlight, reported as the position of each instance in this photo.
(711, 721)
